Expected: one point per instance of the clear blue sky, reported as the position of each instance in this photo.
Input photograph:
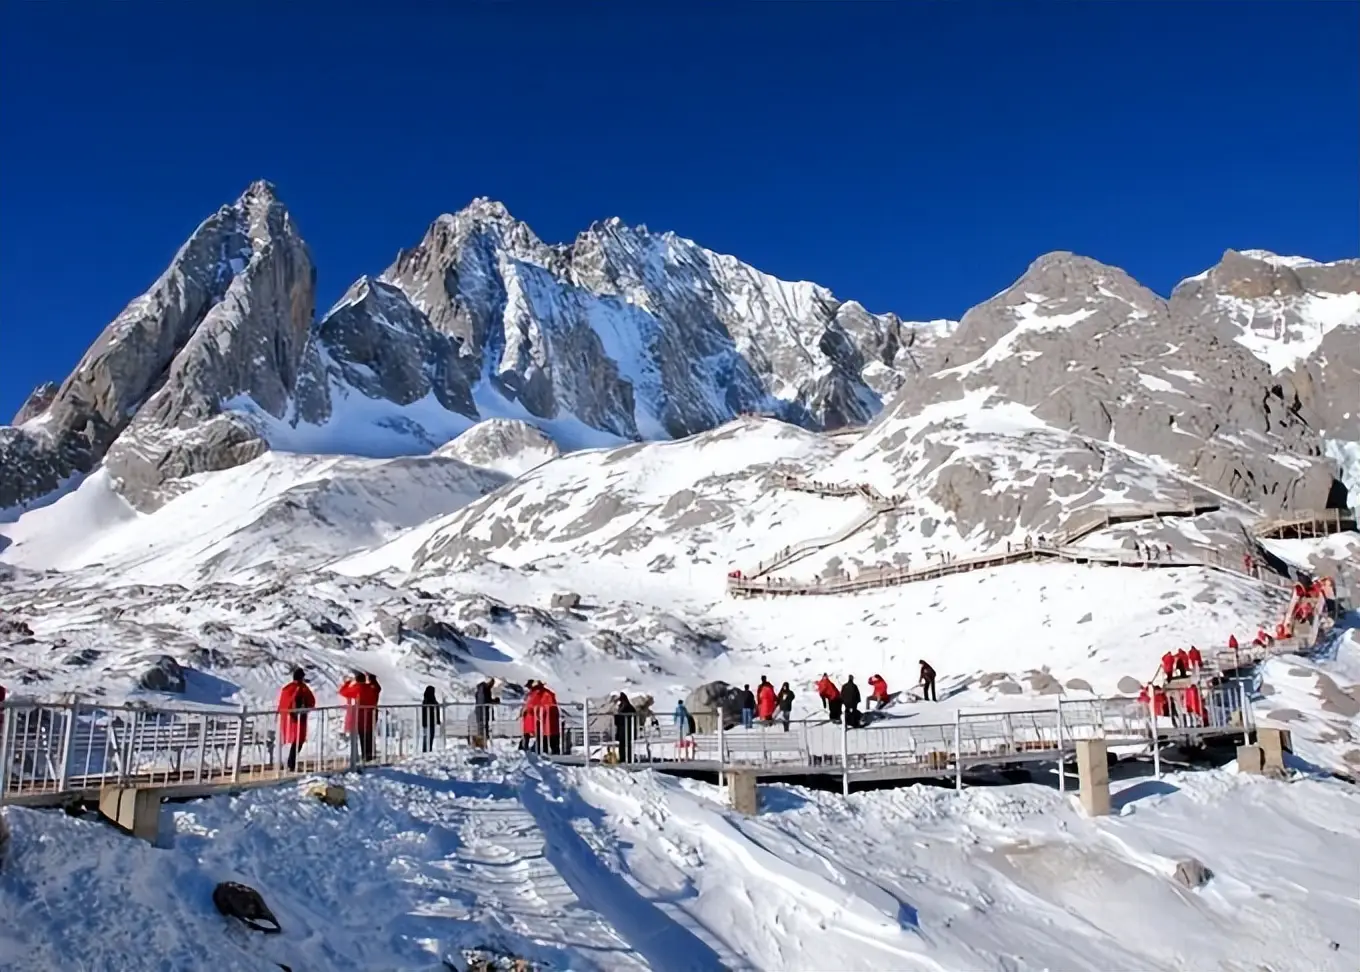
(915, 157)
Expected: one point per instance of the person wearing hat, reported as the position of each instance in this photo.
(295, 699)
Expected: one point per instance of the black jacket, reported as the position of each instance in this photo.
(748, 699)
(429, 714)
(850, 695)
(785, 700)
(927, 673)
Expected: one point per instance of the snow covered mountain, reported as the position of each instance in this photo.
(621, 335)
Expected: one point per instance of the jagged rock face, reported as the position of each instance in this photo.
(645, 335)
(37, 402)
(1090, 350)
(228, 317)
(379, 343)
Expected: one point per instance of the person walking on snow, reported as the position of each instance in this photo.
(748, 707)
(785, 702)
(295, 699)
(927, 682)
(850, 698)
(430, 717)
(826, 690)
(765, 701)
(1195, 658)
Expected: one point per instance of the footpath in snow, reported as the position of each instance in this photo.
(602, 869)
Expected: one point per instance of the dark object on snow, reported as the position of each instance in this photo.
(165, 675)
(566, 601)
(245, 904)
(1192, 874)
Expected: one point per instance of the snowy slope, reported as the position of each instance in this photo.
(603, 870)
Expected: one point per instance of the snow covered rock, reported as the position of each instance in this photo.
(1091, 352)
(37, 402)
(165, 675)
(1191, 873)
(510, 446)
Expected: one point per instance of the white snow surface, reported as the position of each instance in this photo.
(1285, 331)
(600, 869)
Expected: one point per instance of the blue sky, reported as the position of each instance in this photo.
(915, 157)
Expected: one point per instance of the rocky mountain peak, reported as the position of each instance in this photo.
(37, 402)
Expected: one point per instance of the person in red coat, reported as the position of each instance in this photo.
(1232, 642)
(880, 690)
(295, 699)
(765, 700)
(1182, 662)
(549, 720)
(1168, 664)
(367, 694)
(1195, 658)
(529, 720)
(826, 690)
(1194, 706)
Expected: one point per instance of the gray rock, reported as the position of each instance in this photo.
(389, 627)
(1191, 873)
(428, 626)
(81, 658)
(15, 628)
(165, 675)
(474, 629)
(566, 601)
(708, 700)
(37, 402)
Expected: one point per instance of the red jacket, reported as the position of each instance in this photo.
(1168, 663)
(765, 701)
(367, 716)
(1193, 703)
(293, 699)
(529, 720)
(349, 691)
(879, 686)
(1183, 658)
(550, 718)
(827, 690)
(1232, 641)
(1196, 659)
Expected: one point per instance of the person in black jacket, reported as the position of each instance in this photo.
(785, 702)
(430, 717)
(748, 707)
(485, 707)
(850, 699)
(625, 726)
(928, 682)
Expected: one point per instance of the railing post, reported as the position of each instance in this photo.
(202, 747)
(6, 738)
(958, 751)
(585, 729)
(65, 757)
(1156, 742)
(240, 744)
(1246, 715)
(845, 754)
(722, 746)
(1062, 757)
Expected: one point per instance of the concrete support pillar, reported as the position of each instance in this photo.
(1250, 759)
(741, 789)
(1274, 743)
(1093, 774)
(136, 809)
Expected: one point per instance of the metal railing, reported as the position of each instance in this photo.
(54, 749)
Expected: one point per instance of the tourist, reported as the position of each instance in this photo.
(785, 701)
(748, 707)
(927, 682)
(1195, 658)
(529, 720)
(430, 717)
(369, 693)
(1182, 663)
(484, 708)
(549, 721)
(850, 698)
(295, 698)
(1168, 665)
(880, 690)
(625, 728)
(765, 701)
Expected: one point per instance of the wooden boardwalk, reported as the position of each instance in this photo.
(1061, 547)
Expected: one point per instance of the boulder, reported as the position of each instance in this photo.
(566, 601)
(427, 625)
(706, 701)
(165, 675)
(331, 794)
(602, 711)
(474, 629)
(1191, 873)
(244, 903)
(15, 628)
